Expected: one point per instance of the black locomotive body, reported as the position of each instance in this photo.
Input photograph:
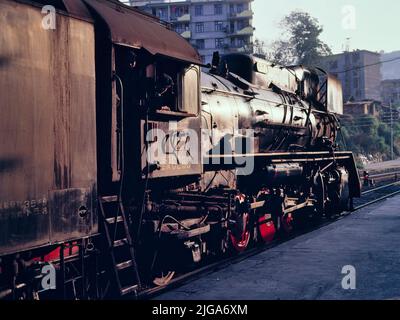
(118, 152)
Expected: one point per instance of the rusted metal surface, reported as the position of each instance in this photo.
(334, 95)
(47, 129)
(130, 27)
(261, 73)
(77, 8)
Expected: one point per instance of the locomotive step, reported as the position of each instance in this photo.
(120, 243)
(109, 199)
(186, 234)
(129, 289)
(124, 265)
(112, 220)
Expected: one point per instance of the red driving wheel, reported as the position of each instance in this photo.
(240, 243)
(266, 228)
(240, 236)
(287, 222)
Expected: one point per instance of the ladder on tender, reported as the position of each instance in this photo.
(120, 245)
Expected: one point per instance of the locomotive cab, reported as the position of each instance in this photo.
(157, 84)
(144, 83)
(161, 96)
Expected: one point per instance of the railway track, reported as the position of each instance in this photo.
(369, 197)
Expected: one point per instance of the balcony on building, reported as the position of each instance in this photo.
(246, 31)
(246, 14)
(247, 48)
(186, 34)
(183, 18)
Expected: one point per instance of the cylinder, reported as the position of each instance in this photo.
(283, 173)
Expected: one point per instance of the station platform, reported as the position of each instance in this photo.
(383, 166)
(310, 266)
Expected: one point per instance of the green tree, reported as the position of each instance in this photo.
(300, 43)
(368, 135)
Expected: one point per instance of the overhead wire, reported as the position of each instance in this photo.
(369, 65)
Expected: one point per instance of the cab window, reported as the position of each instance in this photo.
(190, 90)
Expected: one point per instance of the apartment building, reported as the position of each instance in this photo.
(210, 25)
(391, 92)
(359, 72)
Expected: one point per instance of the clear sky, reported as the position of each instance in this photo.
(370, 24)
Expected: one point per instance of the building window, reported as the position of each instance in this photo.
(200, 44)
(179, 11)
(231, 8)
(198, 10)
(356, 83)
(242, 24)
(356, 57)
(200, 27)
(218, 9)
(219, 43)
(161, 13)
(241, 42)
(333, 64)
(180, 28)
(240, 8)
(219, 26)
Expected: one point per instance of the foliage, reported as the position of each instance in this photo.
(300, 43)
(369, 136)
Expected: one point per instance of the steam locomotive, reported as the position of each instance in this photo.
(124, 160)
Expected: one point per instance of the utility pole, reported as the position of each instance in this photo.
(391, 131)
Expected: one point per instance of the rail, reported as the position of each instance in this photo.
(396, 174)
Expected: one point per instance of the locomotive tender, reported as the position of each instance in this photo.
(122, 163)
